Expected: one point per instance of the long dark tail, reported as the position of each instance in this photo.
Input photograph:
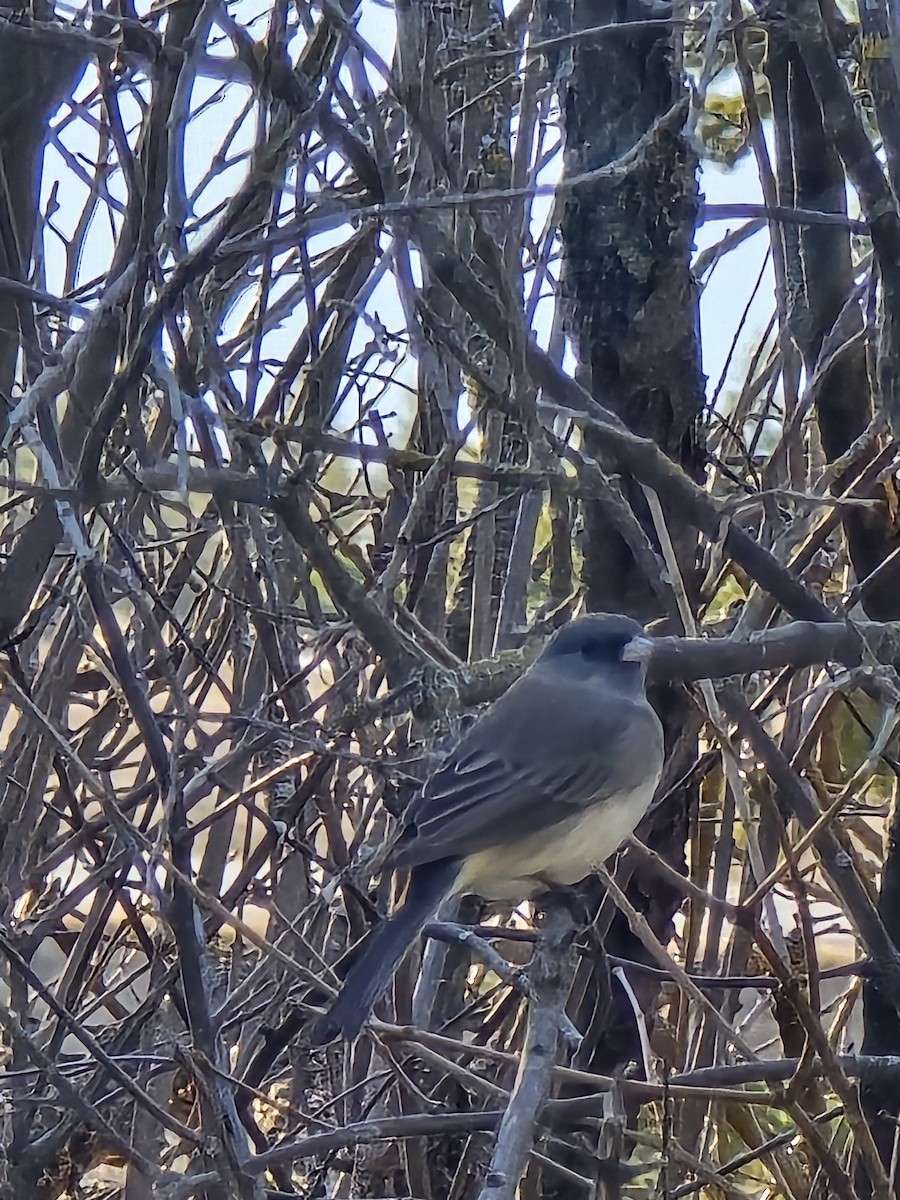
(383, 950)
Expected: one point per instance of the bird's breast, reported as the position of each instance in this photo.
(562, 854)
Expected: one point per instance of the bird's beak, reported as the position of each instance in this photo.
(639, 649)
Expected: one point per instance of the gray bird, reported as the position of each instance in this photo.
(542, 789)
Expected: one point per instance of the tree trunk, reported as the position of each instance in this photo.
(633, 317)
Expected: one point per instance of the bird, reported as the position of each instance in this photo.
(544, 787)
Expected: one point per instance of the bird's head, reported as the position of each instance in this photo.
(603, 645)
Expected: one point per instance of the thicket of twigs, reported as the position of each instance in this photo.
(298, 473)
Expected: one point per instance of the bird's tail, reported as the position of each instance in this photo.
(382, 951)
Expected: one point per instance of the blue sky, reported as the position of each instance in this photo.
(218, 110)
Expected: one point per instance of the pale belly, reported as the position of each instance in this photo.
(563, 854)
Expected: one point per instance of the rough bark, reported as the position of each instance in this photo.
(633, 316)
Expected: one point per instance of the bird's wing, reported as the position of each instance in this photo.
(541, 754)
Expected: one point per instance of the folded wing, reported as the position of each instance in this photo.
(529, 763)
